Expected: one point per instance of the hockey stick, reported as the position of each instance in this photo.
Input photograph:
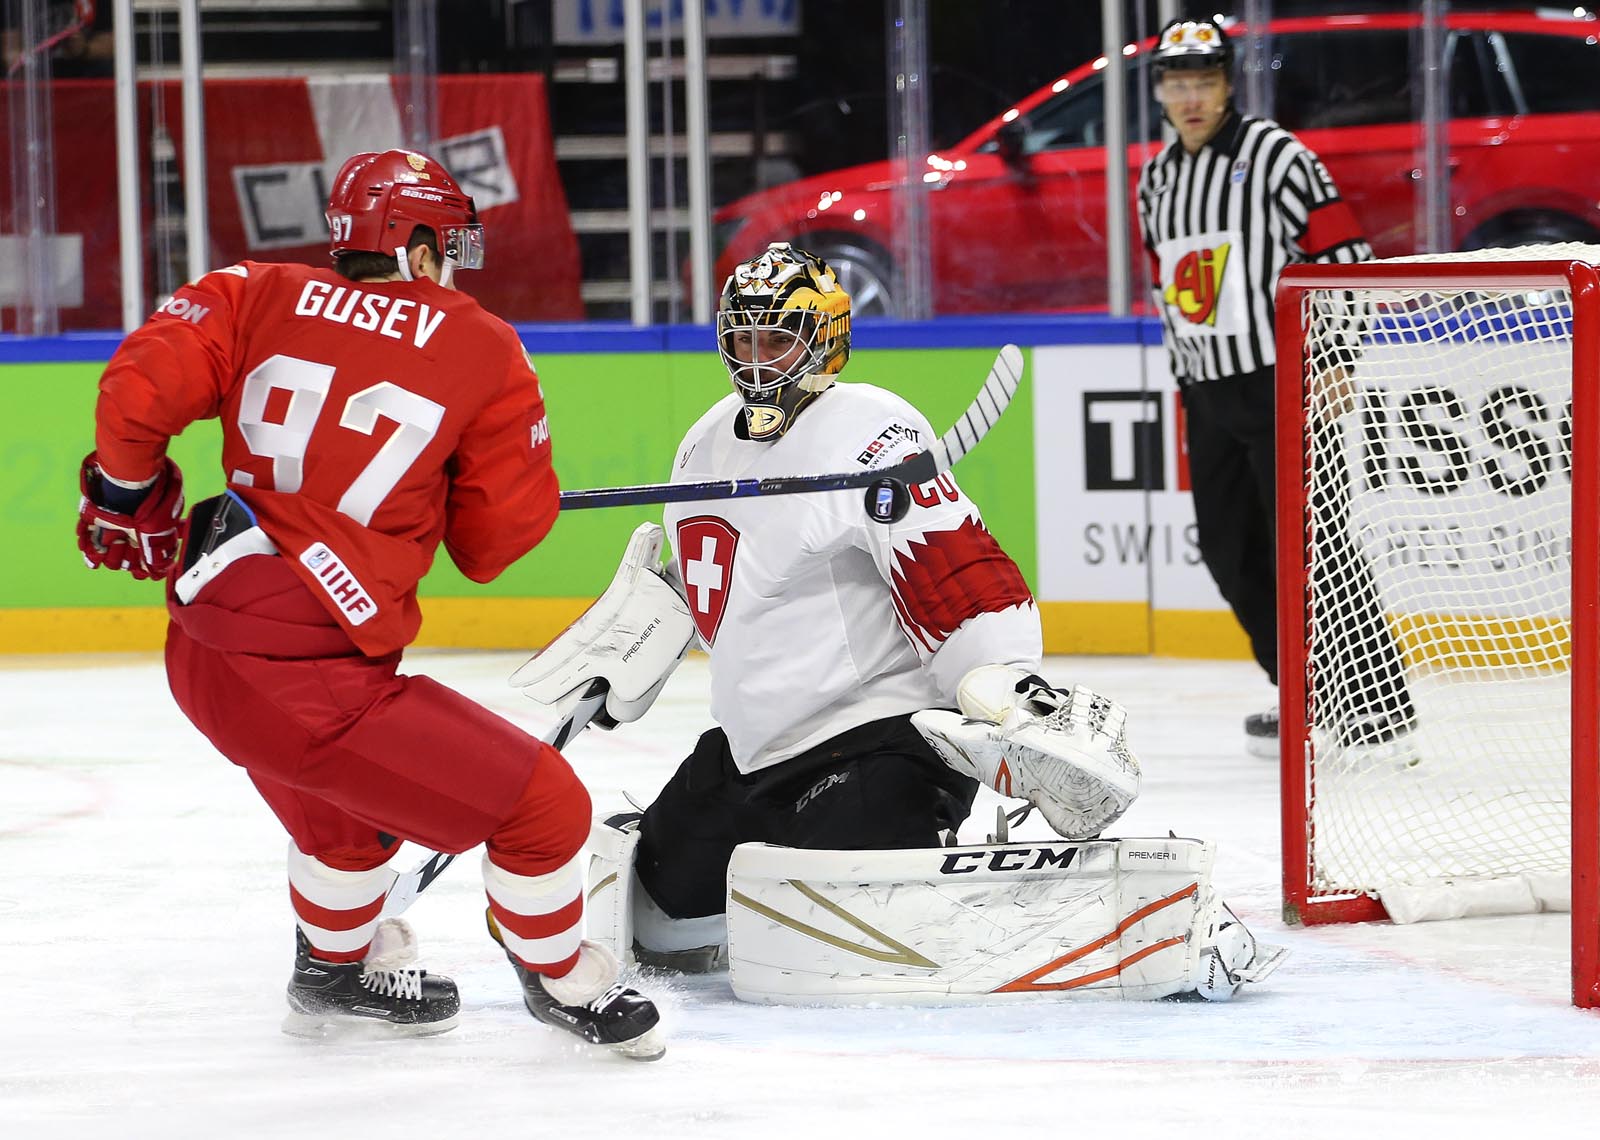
(889, 486)
(409, 884)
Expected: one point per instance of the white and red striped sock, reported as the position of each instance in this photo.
(540, 916)
(336, 910)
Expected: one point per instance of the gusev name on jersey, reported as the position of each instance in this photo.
(362, 422)
(788, 595)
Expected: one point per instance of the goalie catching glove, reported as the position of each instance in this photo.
(1065, 752)
(632, 638)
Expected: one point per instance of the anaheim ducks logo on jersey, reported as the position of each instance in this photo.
(706, 546)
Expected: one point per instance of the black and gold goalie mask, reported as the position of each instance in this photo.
(783, 328)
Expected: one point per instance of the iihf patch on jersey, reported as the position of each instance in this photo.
(1240, 169)
(348, 594)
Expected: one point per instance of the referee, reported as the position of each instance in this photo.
(1222, 210)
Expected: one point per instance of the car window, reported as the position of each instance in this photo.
(1555, 73)
(1476, 90)
(1346, 78)
(1364, 77)
(1076, 117)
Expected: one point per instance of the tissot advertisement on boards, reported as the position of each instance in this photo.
(1116, 521)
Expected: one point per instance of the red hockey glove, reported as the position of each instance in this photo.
(143, 537)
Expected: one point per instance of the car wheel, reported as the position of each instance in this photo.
(865, 272)
(1529, 227)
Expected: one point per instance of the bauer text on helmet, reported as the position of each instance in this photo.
(783, 329)
(380, 197)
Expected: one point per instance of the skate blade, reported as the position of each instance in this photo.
(333, 1027)
(651, 1045)
(1268, 958)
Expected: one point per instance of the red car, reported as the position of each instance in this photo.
(1017, 209)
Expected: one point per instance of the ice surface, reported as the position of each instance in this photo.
(145, 938)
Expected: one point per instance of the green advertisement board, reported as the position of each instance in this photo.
(616, 419)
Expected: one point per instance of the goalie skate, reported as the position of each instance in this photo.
(383, 993)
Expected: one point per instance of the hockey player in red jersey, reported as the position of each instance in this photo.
(369, 413)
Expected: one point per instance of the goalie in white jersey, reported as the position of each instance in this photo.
(837, 644)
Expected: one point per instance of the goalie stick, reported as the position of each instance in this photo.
(888, 496)
(409, 884)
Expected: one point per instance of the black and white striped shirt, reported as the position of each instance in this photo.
(1220, 225)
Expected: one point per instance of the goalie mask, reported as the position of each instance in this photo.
(783, 329)
(379, 197)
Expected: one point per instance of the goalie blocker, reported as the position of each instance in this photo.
(632, 638)
(1129, 919)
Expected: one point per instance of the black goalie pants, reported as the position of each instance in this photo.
(1230, 434)
(875, 787)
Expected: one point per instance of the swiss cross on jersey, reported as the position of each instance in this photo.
(706, 546)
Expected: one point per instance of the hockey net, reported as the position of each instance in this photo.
(1434, 421)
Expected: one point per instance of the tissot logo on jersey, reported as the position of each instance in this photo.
(887, 438)
(706, 546)
(349, 595)
(392, 317)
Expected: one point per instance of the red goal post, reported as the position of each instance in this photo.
(1438, 469)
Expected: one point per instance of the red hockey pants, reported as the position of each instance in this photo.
(344, 749)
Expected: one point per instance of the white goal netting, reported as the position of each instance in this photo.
(1437, 431)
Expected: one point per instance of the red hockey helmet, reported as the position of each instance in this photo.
(379, 196)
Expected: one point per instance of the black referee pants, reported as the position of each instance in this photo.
(1231, 441)
(878, 786)
(1230, 436)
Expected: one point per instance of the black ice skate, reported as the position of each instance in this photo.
(382, 993)
(1382, 737)
(1374, 728)
(1261, 734)
(618, 1017)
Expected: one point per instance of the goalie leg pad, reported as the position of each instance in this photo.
(621, 916)
(682, 945)
(1110, 919)
(608, 907)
